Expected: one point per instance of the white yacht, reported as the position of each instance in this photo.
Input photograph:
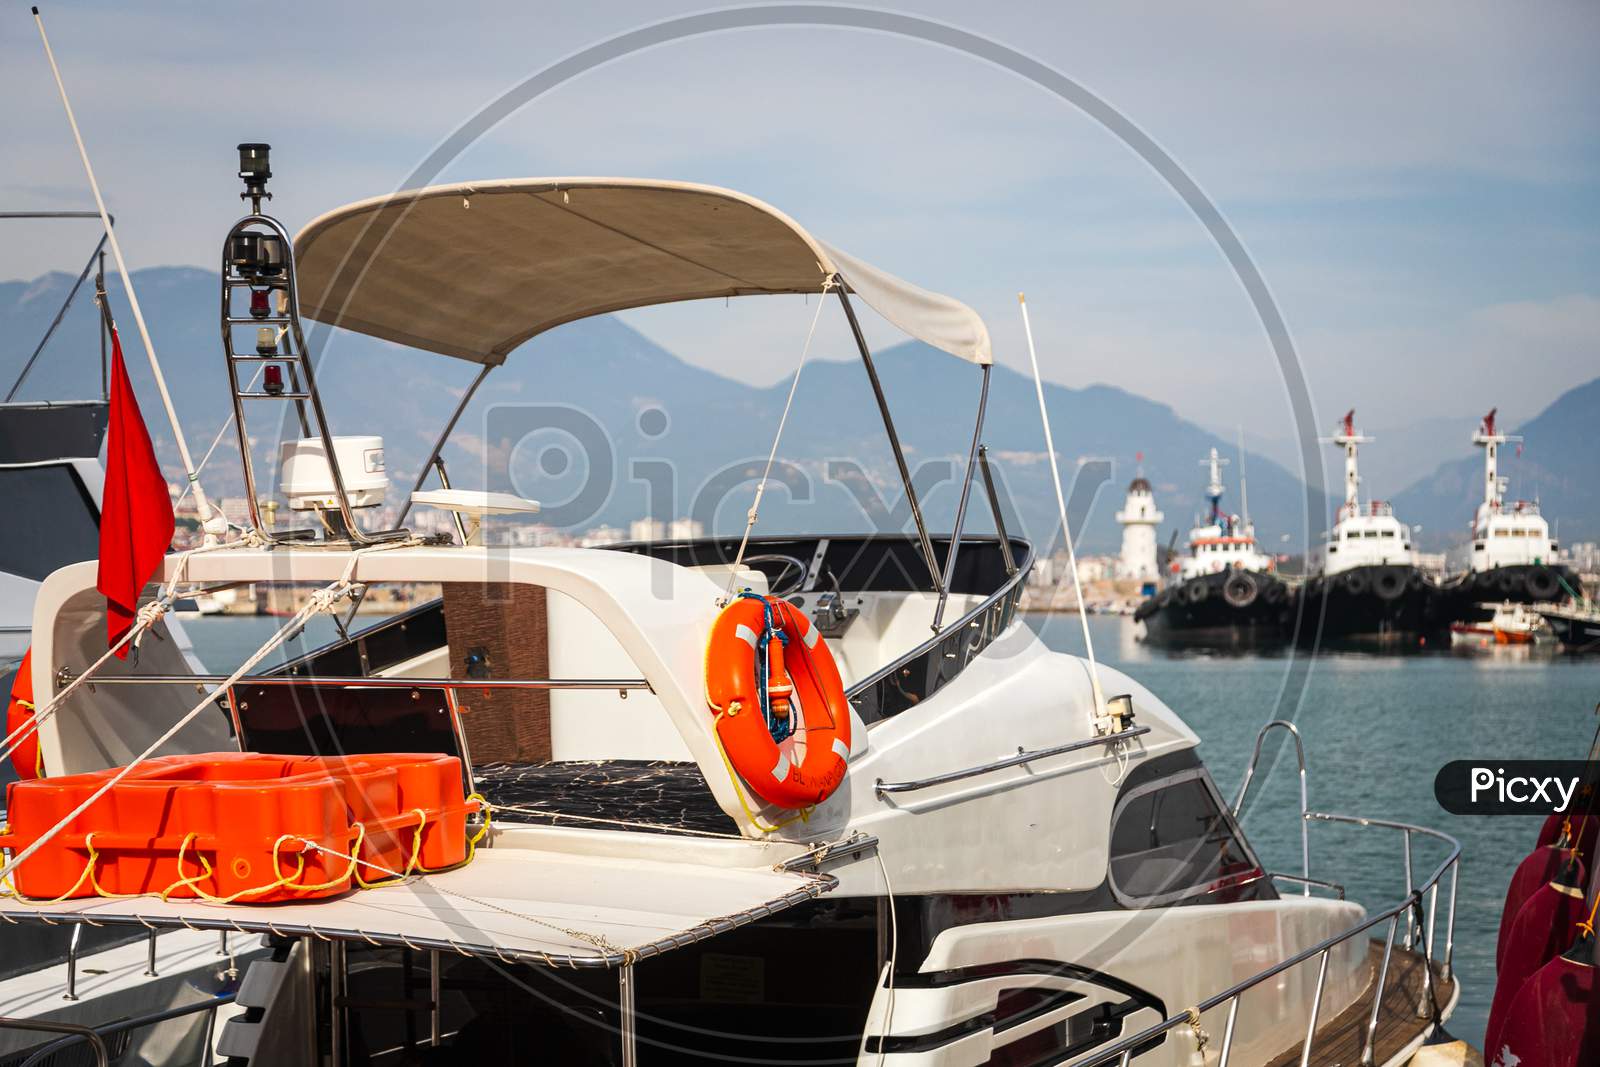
(1225, 592)
(1510, 554)
(1024, 862)
(1364, 585)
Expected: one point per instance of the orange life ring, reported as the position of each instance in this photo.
(25, 757)
(808, 763)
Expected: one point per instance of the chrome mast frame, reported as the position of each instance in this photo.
(299, 358)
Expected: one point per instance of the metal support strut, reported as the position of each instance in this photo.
(894, 442)
(961, 505)
(433, 461)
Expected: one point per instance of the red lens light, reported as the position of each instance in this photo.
(258, 303)
(273, 379)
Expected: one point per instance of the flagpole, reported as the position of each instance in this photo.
(201, 504)
(1066, 529)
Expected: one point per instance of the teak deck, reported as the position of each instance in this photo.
(1339, 1040)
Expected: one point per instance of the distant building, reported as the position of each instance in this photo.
(601, 535)
(1097, 568)
(1139, 519)
(685, 529)
(647, 530)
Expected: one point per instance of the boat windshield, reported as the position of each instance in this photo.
(57, 525)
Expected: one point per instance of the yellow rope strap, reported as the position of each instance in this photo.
(1201, 1038)
(803, 815)
(289, 881)
(1587, 925)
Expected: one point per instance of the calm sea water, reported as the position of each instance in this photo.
(1376, 729)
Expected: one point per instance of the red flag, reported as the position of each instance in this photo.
(136, 521)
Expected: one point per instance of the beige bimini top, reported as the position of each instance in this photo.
(473, 270)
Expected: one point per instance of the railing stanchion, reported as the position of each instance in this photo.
(1369, 1047)
(435, 1008)
(1305, 821)
(1227, 1033)
(72, 962)
(1316, 1008)
(1426, 1001)
(1450, 919)
(1407, 836)
(1433, 915)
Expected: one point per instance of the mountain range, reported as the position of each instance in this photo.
(602, 425)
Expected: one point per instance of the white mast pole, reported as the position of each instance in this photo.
(1244, 489)
(1066, 528)
(201, 504)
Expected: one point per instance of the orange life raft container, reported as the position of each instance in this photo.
(240, 826)
(25, 759)
(793, 757)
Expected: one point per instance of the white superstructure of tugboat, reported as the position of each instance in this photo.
(1510, 554)
(1027, 862)
(1364, 585)
(1224, 592)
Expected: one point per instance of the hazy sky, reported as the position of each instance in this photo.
(1418, 183)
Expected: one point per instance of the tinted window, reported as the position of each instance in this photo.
(1172, 840)
(56, 520)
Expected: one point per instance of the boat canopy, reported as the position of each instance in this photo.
(473, 270)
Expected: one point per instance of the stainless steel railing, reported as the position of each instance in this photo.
(1023, 756)
(1305, 807)
(1122, 1051)
(95, 1036)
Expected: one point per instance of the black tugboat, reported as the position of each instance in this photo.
(1365, 587)
(1510, 556)
(1224, 593)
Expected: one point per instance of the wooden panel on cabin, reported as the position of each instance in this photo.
(500, 630)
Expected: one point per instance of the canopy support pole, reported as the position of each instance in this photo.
(994, 507)
(438, 446)
(894, 443)
(961, 506)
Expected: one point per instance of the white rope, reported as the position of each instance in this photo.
(147, 616)
(557, 816)
(201, 503)
(221, 433)
(887, 1028)
(321, 600)
(772, 456)
(1066, 528)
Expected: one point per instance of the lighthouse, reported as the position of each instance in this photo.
(1139, 519)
